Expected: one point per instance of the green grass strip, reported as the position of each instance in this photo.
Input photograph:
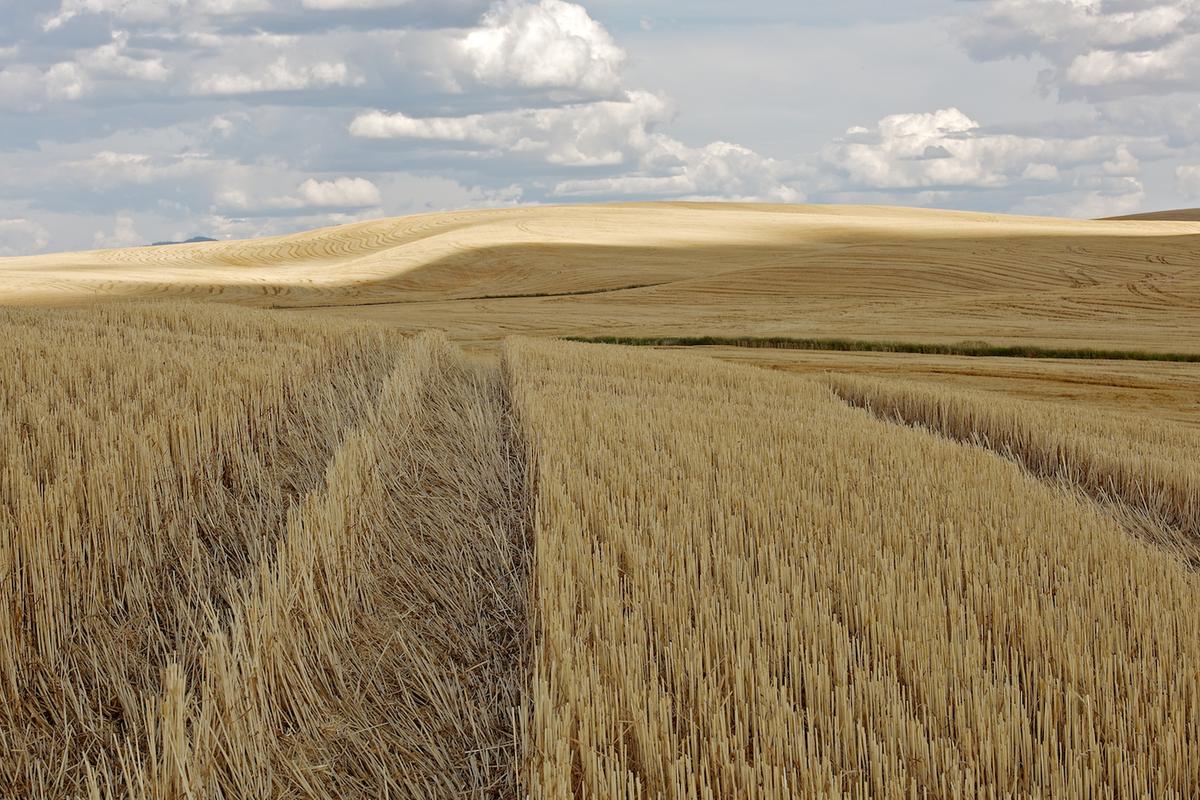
(970, 349)
(575, 293)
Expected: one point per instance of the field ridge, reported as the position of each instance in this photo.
(968, 349)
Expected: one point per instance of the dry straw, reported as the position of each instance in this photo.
(243, 558)
(745, 588)
(1149, 467)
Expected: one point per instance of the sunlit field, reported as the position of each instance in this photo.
(343, 514)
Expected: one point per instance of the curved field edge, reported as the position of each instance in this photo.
(744, 587)
(1151, 468)
(968, 349)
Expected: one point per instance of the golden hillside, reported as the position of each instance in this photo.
(656, 269)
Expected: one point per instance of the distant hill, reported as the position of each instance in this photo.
(1178, 215)
(193, 240)
(686, 270)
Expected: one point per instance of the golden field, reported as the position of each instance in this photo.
(746, 588)
(862, 272)
(334, 515)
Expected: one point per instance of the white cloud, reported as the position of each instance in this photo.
(108, 168)
(279, 76)
(946, 148)
(65, 81)
(149, 10)
(19, 236)
(124, 234)
(1113, 198)
(605, 133)
(1123, 163)
(1094, 47)
(311, 194)
(1040, 172)
(549, 44)
(602, 133)
(717, 171)
(333, 5)
(222, 126)
(27, 88)
(111, 59)
(340, 193)
(486, 129)
(1103, 67)
(1187, 180)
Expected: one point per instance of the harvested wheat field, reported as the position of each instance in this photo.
(1142, 389)
(245, 558)
(746, 588)
(336, 515)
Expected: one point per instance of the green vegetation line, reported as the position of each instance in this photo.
(972, 349)
(562, 294)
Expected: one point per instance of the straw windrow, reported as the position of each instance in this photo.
(303, 575)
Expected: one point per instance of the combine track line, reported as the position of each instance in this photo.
(380, 651)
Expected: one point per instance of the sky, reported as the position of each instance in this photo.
(129, 121)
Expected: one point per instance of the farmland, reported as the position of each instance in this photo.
(340, 515)
(681, 269)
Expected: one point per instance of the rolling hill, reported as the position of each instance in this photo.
(685, 269)
(1176, 215)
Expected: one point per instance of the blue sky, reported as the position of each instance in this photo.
(128, 121)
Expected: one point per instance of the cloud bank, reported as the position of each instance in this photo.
(163, 119)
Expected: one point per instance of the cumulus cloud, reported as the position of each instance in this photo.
(602, 133)
(331, 5)
(19, 236)
(112, 59)
(148, 10)
(339, 193)
(1096, 48)
(28, 88)
(946, 148)
(156, 107)
(1102, 197)
(281, 75)
(109, 168)
(123, 234)
(1187, 181)
(549, 44)
(65, 81)
(720, 170)
(1123, 163)
(25, 87)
